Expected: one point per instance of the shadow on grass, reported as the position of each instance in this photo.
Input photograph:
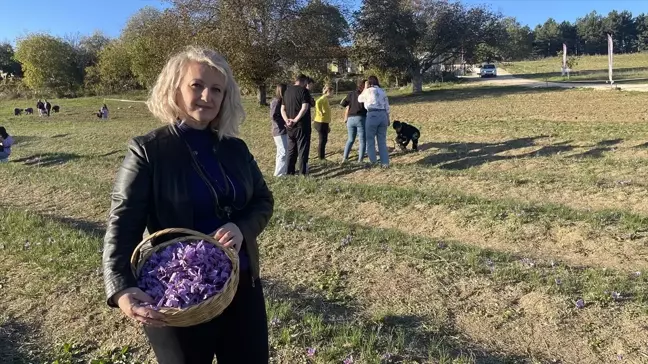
(22, 140)
(91, 228)
(460, 155)
(467, 93)
(417, 343)
(110, 153)
(19, 343)
(332, 170)
(47, 159)
(600, 148)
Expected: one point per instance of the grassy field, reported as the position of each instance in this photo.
(590, 68)
(474, 250)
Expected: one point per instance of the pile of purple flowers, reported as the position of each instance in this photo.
(185, 274)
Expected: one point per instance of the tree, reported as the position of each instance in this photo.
(592, 34)
(321, 41)
(518, 44)
(548, 38)
(48, 63)
(261, 39)
(623, 30)
(641, 22)
(89, 48)
(414, 36)
(8, 65)
(114, 68)
(151, 36)
(569, 36)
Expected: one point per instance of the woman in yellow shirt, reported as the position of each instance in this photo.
(322, 120)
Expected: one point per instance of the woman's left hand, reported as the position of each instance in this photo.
(230, 236)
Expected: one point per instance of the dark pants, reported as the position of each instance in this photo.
(404, 141)
(239, 335)
(298, 146)
(323, 130)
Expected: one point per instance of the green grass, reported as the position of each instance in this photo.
(589, 68)
(474, 250)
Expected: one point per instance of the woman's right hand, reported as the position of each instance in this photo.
(132, 302)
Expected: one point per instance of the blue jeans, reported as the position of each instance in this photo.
(4, 155)
(355, 127)
(281, 165)
(376, 129)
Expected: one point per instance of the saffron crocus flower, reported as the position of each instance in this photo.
(185, 274)
(311, 352)
(348, 360)
(580, 303)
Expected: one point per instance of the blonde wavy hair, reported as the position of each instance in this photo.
(162, 99)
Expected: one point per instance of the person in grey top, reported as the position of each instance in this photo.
(279, 131)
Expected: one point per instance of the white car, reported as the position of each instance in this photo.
(488, 70)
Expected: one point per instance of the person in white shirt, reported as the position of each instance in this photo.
(375, 101)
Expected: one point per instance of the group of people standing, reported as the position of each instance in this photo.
(366, 116)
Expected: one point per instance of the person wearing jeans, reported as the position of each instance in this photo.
(279, 132)
(354, 117)
(377, 104)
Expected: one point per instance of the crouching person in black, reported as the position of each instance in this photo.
(406, 133)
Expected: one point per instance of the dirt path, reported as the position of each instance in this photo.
(504, 78)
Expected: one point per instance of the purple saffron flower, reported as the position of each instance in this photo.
(580, 303)
(386, 356)
(348, 360)
(616, 295)
(311, 352)
(558, 281)
(275, 321)
(185, 273)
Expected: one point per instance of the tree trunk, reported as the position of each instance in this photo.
(417, 82)
(262, 95)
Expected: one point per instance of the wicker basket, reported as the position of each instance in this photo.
(209, 308)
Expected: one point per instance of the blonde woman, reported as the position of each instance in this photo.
(323, 120)
(193, 173)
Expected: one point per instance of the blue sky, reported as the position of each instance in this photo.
(60, 17)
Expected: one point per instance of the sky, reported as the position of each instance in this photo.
(61, 17)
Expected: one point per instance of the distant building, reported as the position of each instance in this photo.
(344, 66)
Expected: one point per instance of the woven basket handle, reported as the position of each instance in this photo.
(135, 255)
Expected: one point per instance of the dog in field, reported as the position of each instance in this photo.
(56, 108)
(29, 111)
(18, 111)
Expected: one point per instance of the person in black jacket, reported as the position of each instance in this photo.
(193, 174)
(406, 133)
(295, 110)
(279, 131)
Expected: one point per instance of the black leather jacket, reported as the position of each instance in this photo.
(151, 193)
